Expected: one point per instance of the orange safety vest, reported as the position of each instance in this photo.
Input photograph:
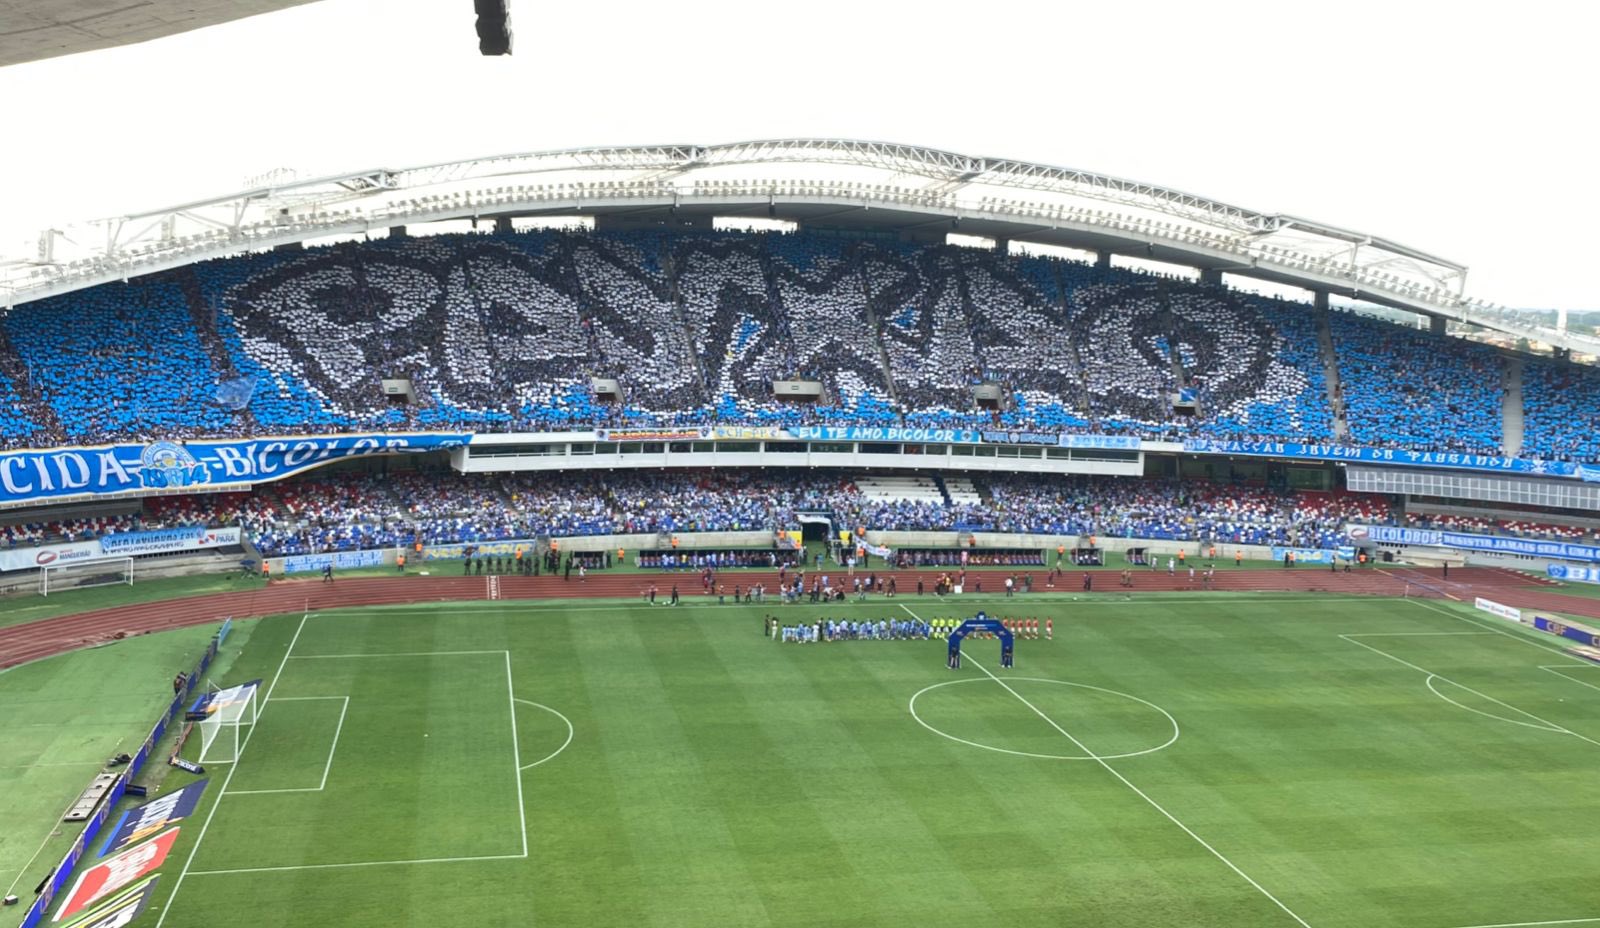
(400, 559)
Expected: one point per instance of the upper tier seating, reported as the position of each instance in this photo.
(505, 332)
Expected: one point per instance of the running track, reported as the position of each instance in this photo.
(34, 640)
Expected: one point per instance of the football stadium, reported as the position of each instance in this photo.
(446, 545)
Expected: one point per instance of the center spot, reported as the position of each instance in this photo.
(1107, 724)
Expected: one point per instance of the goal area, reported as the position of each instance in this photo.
(53, 578)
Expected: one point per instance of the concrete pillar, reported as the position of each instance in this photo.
(1436, 325)
(1102, 260)
(397, 231)
(1211, 276)
(502, 224)
(1319, 300)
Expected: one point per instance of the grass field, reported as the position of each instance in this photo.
(1209, 760)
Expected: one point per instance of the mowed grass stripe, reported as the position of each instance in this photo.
(823, 778)
(674, 807)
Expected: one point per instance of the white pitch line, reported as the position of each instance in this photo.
(516, 752)
(1137, 791)
(167, 907)
(1557, 668)
(1553, 727)
(359, 863)
(325, 768)
(1413, 634)
(318, 657)
(1550, 647)
(571, 732)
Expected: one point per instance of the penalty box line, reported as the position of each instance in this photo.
(288, 654)
(331, 749)
(1136, 790)
(1544, 724)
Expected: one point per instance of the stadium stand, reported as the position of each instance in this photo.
(503, 332)
(350, 511)
(1403, 388)
(1561, 411)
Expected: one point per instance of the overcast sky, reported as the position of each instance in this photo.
(1468, 130)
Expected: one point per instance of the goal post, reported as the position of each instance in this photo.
(111, 571)
(219, 730)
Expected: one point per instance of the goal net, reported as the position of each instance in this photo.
(219, 731)
(54, 578)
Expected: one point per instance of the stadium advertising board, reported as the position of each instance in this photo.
(125, 544)
(1499, 609)
(50, 555)
(120, 910)
(65, 473)
(1575, 574)
(1445, 459)
(1489, 544)
(1567, 630)
(342, 560)
(159, 541)
(102, 880)
(135, 825)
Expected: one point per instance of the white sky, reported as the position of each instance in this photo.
(1467, 129)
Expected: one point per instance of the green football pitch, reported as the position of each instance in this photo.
(1208, 760)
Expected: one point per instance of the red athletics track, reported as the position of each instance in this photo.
(22, 643)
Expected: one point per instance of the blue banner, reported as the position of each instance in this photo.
(1574, 574)
(1492, 544)
(884, 433)
(953, 436)
(1103, 442)
(167, 465)
(1304, 555)
(343, 560)
(1566, 630)
(1390, 456)
(153, 817)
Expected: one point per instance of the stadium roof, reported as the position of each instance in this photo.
(31, 30)
(815, 182)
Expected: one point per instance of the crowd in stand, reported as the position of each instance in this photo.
(505, 332)
(1561, 417)
(1404, 388)
(350, 511)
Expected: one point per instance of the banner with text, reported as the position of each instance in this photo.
(65, 473)
(124, 544)
(341, 560)
(1489, 544)
(1446, 459)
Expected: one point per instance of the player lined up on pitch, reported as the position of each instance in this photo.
(892, 629)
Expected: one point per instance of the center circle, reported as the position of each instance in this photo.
(1094, 710)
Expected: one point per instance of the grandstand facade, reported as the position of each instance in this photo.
(856, 340)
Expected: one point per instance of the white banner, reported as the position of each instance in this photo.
(1494, 608)
(72, 552)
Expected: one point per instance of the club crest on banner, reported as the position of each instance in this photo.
(169, 465)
